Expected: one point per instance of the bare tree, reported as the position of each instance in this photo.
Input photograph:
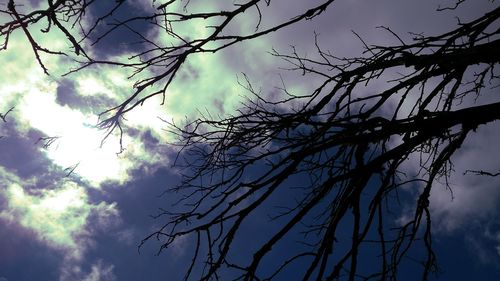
(350, 148)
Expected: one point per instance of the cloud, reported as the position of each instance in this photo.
(63, 218)
(35, 197)
(467, 204)
(61, 110)
(484, 242)
(67, 108)
(471, 196)
(58, 216)
(99, 271)
(78, 98)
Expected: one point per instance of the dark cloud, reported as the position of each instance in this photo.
(149, 141)
(22, 257)
(67, 95)
(121, 40)
(66, 92)
(137, 201)
(20, 153)
(23, 155)
(35, 2)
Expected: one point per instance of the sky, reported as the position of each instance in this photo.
(73, 208)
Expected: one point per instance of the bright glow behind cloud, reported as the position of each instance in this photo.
(79, 141)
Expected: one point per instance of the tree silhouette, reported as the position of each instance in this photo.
(336, 154)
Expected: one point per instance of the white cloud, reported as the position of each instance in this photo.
(99, 271)
(212, 86)
(34, 96)
(61, 217)
(473, 197)
(58, 216)
(79, 141)
(469, 205)
(128, 236)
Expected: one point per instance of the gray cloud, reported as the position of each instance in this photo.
(121, 40)
(21, 154)
(67, 95)
(472, 196)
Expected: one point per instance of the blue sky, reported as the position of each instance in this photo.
(87, 226)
